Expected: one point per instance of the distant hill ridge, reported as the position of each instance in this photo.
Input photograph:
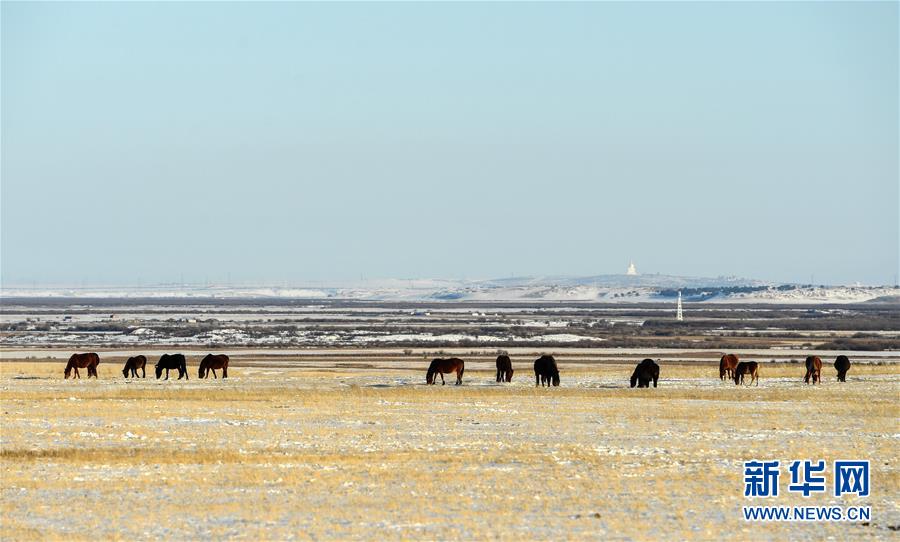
(600, 288)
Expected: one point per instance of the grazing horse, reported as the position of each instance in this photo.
(727, 365)
(813, 369)
(504, 369)
(842, 364)
(441, 366)
(746, 367)
(645, 371)
(211, 363)
(80, 361)
(133, 364)
(172, 361)
(545, 371)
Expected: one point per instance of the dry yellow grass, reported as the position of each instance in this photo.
(276, 453)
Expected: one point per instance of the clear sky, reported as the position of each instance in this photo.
(293, 142)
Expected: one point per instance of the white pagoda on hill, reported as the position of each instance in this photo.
(632, 270)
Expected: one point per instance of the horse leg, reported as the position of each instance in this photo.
(214, 374)
(442, 379)
(225, 372)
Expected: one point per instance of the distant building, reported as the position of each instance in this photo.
(679, 315)
(632, 270)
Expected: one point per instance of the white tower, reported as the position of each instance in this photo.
(678, 314)
(632, 270)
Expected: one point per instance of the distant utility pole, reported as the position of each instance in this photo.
(679, 315)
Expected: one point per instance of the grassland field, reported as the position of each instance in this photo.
(341, 446)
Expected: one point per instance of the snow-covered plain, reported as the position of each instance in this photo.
(281, 453)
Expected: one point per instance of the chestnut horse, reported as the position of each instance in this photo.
(645, 371)
(80, 361)
(813, 369)
(727, 365)
(842, 365)
(545, 371)
(504, 369)
(211, 363)
(172, 361)
(746, 367)
(441, 366)
(133, 364)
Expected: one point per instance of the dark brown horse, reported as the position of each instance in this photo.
(80, 361)
(211, 363)
(842, 365)
(442, 366)
(746, 367)
(813, 369)
(545, 371)
(172, 361)
(727, 365)
(645, 371)
(504, 368)
(133, 364)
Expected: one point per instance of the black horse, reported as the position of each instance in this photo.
(504, 368)
(172, 361)
(545, 371)
(842, 364)
(645, 371)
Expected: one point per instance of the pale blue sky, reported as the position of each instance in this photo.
(297, 142)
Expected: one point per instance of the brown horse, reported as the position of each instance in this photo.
(211, 363)
(504, 369)
(727, 365)
(545, 371)
(441, 366)
(746, 367)
(813, 369)
(80, 361)
(842, 365)
(133, 364)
